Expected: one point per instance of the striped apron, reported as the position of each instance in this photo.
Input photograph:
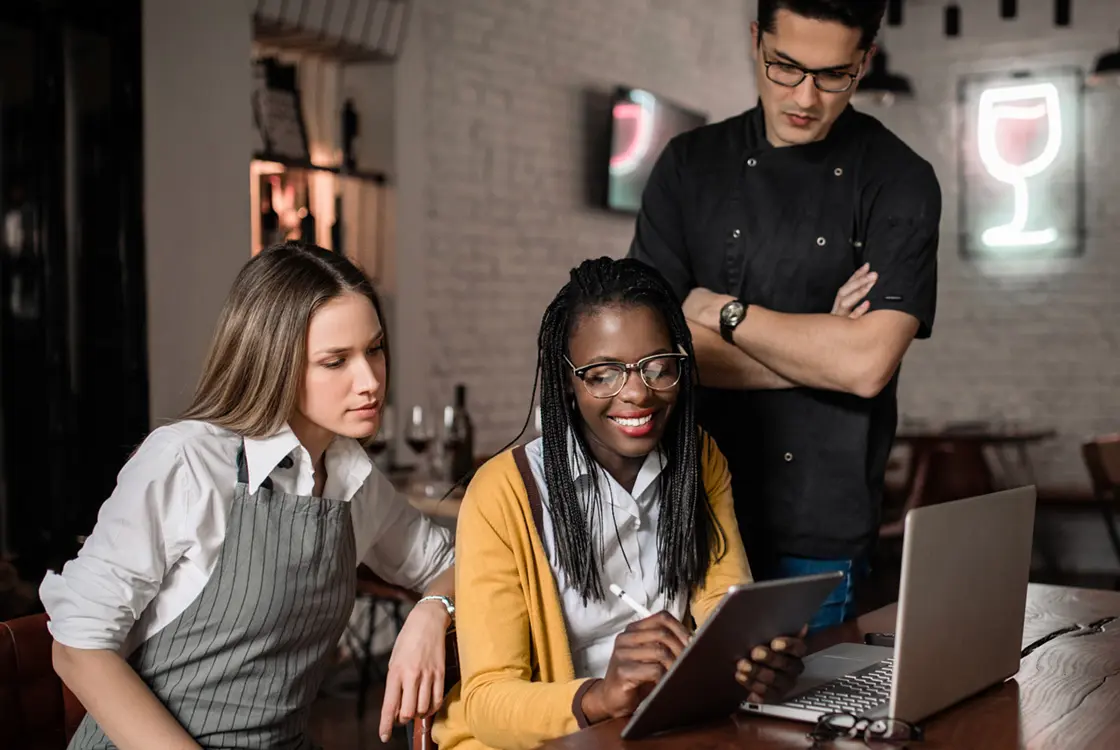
(240, 667)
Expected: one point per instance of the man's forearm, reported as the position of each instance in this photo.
(826, 351)
(722, 365)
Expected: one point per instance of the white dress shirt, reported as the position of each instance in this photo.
(159, 535)
(628, 557)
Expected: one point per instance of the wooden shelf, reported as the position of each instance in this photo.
(378, 178)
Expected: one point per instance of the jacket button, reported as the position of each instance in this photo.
(752, 161)
(821, 241)
(838, 171)
(788, 457)
(735, 233)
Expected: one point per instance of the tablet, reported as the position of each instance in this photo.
(701, 684)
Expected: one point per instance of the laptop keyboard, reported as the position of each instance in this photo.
(856, 693)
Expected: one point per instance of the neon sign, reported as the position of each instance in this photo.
(1025, 104)
(1021, 167)
(641, 113)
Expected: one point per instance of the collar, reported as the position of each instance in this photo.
(347, 463)
(651, 469)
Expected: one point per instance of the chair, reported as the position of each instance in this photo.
(1102, 460)
(422, 728)
(37, 711)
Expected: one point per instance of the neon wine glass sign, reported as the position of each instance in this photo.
(640, 110)
(1024, 104)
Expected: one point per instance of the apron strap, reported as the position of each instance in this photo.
(534, 492)
(243, 468)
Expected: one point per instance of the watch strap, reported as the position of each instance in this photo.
(444, 600)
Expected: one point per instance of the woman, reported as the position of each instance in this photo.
(621, 488)
(203, 608)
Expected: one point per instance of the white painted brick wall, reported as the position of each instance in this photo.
(1035, 344)
(506, 210)
(505, 133)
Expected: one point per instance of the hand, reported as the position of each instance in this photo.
(703, 305)
(771, 671)
(848, 299)
(643, 653)
(414, 686)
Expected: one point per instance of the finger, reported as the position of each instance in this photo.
(635, 673)
(779, 663)
(651, 653)
(677, 627)
(409, 685)
(849, 303)
(763, 676)
(437, 692)
(763, 690)
(670, 638)
(756, 698)
(390, 705)
(860, 311)
(794, 647)
(860, 272)
(424, 695)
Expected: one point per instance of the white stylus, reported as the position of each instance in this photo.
(629, 601)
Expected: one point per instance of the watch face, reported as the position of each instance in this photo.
(731, 313)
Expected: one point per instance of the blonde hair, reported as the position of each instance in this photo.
(254, 370)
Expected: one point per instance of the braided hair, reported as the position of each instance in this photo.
(687, 531)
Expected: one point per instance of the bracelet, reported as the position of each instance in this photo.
(444, 600)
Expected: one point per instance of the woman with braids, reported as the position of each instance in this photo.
(621, 488)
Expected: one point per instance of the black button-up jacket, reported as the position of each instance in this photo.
(784, 228)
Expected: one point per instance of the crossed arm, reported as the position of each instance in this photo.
(851, 349)
(856, 353)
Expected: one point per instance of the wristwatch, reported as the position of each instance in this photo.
(730, 316)
(444, 600)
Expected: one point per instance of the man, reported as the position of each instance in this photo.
(756, 221)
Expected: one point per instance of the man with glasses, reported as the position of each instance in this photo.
(756, 222)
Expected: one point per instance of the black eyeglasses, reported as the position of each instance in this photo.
(873, 732)
(790, 75)
(659, 372)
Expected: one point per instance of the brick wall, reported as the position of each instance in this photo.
(504, 120)
(501, 129)
(1033, 343)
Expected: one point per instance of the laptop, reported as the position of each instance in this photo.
(959, 629)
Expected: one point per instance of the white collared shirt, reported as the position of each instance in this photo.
(628, 557)
(159, 535)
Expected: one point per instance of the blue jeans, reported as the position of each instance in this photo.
(841, 603)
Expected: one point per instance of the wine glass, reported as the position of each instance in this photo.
(386, 431)
(419, 435)
(1022, 110)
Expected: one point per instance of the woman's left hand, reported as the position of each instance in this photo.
(414, 687)
(771, 670)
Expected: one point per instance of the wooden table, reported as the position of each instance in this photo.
(1066, 695)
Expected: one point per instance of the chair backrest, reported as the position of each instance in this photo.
(422, 728)
(1102, 459)
(37, 712)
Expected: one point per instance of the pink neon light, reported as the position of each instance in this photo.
(623, 111)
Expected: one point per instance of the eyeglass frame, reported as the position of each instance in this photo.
(861, 729)
(680, 355)
(805, 72)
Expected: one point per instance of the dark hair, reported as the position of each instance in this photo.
(687, 531)
(250, 383)
(865, 15)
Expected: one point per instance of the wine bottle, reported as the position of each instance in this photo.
(462, 445)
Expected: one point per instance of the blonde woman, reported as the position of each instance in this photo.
(202, 609)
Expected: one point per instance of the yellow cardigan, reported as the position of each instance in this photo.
(518, 682)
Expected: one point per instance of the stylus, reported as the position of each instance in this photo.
(638, 608)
